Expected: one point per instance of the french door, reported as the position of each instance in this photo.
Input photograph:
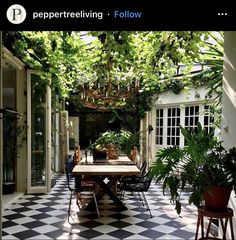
(38, 134)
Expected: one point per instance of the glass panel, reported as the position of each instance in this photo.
(191, 121)
(208, 118)
(168, 131)
(169, 121)
(38, 132)
(186, 122)
(10, 131)
(211, 130)
(161, 112)
(178, 131)
(177, 141)
(161, 131)
(173, 112)
(191, 110)
(197, 110)
(187, 111)
(161, 122)
(173, 121)
(159, 126)
(178, 122)
(206, 122)
(173, 131)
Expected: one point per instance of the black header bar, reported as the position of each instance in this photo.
(123, 15)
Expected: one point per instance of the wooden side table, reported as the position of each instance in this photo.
(224, 217)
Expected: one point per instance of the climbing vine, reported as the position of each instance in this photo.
(65, 60)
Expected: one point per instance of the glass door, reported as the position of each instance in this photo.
(39, 134)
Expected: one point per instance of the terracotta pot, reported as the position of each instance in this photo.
(112, 152)
(217, 197)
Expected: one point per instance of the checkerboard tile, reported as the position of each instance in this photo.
(44, 216)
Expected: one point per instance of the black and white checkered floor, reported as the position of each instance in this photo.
(44, 216)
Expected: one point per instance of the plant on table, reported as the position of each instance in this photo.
(111, 137)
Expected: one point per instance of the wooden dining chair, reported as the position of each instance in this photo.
(82, 190)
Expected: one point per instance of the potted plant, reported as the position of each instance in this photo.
(203, 164)
(122, 140)
(11, 146)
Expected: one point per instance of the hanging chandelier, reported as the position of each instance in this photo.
(105, 97)
(110, 93)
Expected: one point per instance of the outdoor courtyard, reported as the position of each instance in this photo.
(107, 103)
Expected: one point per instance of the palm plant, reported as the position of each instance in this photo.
(212, 60)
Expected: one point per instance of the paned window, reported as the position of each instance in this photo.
(159, 126)
(173, 122)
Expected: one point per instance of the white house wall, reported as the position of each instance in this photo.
(229, 101)
(185, 96)
(229, 91)
(1, 136)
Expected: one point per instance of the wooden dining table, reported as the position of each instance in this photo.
(106, 173)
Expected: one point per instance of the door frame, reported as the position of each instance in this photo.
(47, 187)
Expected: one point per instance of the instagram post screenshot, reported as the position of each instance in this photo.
(117, 120)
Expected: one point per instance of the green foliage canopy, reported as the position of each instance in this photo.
(66, 60)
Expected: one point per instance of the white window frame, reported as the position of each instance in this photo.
(173, 126)
(182, 121)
